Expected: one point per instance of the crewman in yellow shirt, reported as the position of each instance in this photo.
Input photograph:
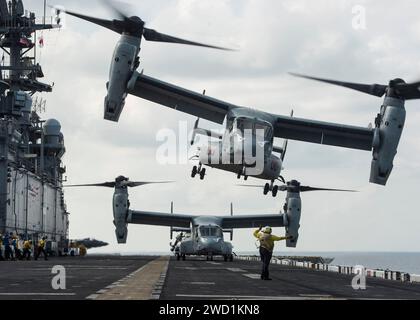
(41, 249)
(82, 250)
(267, 240)
(27, 246)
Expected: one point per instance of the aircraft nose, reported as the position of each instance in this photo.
(211, 243)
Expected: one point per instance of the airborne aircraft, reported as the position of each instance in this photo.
(230, 151)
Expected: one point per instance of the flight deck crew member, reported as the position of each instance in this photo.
(16, 248)
(8, 252)
(82, 250)
(41, 249)
(27, 245)
(177, 240)
(266, 240)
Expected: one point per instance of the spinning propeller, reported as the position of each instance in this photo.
(119, 182)
(396, 87)
(294, 186)
(134, 26)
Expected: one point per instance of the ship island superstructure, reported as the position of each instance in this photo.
(31, 150)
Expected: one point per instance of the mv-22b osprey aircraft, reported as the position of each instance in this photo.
(383, 139)
(206, 231)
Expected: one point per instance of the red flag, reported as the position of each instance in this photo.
(41, 42)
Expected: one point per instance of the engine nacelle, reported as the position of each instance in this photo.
(387, 137)
(292, 212)
(120, 203)
(121, 72)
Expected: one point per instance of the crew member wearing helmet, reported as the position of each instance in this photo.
(41, 249)
(266, 240)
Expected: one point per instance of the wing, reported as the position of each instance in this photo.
(159, 219)
(254, 221)
(323, 133)
(181, 99)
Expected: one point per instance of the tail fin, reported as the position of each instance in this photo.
(195, 131)
(204, 132)
(230, 231)
(286, 143)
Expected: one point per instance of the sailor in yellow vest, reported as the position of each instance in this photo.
(27, 246)
(266, 240)
(41, 249)
(82, 250)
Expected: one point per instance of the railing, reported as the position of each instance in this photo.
(375, 273)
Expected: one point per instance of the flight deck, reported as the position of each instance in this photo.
(165, 278)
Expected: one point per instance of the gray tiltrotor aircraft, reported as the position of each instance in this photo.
(383, 139)
(206, 231)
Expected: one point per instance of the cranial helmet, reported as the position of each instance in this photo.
(267, 230)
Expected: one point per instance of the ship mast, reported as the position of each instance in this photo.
(16, 32)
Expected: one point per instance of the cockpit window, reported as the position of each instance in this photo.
(210, 231)
(262, 130)
(243, 124)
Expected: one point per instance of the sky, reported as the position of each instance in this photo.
(272, 38)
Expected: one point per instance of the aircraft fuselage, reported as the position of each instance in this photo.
(206, 240)
(246, 148)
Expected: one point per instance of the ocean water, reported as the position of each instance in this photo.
(396, 261)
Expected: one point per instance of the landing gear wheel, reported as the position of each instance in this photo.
(226, 258)
(266, 189)
(202, 174)
(194, 172)
(275, 191)
(246, 178)
(239, 176)
(207, 258)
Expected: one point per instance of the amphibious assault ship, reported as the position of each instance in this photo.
(31, 149)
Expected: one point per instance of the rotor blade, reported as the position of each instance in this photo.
(113, 6)
(109, 24)
(131, 184)
(105, 184)
(306, 189)
(377, 90)
(153, 35)
(409, 91)
(249, 186)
